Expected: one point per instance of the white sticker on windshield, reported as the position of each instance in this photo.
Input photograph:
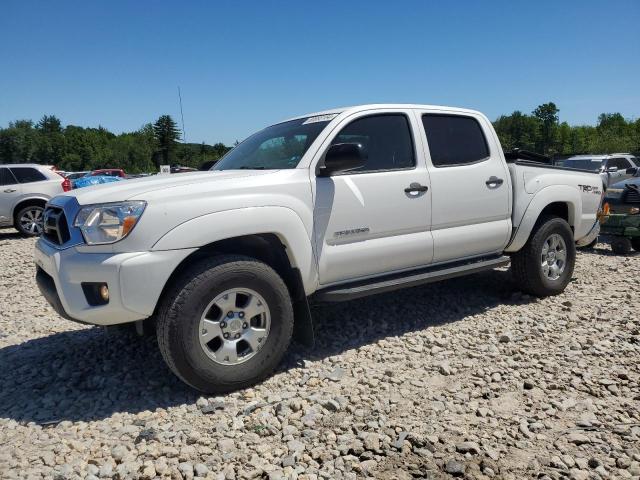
(320, 118)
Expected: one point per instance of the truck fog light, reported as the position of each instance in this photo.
(634, 210)
(104, 292)
(96, 293)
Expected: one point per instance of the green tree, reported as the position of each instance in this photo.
(517, 130)
(167, 135)
(18, 143)
(77, 148)
(547, 114)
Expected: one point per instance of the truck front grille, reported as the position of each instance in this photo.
(56, 229)
(632, 195)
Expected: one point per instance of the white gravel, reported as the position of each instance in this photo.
(464, 378)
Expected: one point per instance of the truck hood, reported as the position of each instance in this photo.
(124, 190)
(628, 181)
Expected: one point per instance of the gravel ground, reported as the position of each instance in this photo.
(465, 378)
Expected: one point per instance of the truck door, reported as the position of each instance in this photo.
(617, 169)
(470, 186)
(376, 219)
(10, 191)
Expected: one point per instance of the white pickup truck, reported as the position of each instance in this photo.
(325, 207)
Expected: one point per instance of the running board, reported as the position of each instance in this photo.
(341, 293)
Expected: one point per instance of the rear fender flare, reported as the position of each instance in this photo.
(544, 197)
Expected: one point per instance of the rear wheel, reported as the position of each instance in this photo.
(225, 324)
(29, 220)
(635, 243)
(621, 245)
(545, 264)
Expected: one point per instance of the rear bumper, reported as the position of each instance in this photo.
(591, 236)
(135, 281)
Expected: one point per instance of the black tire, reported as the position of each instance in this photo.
(621, 245)
(36, 210)
(526, 264)
(635, 243)
(177, 324)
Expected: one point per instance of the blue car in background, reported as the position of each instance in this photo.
(94, 180)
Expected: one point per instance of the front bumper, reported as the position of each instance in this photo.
(135, 281)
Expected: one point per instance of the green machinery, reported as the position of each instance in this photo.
(624, 232)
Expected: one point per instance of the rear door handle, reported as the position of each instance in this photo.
(9, 190)
(494, 182)
(416, 187)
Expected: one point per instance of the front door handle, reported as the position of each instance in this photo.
(494, 182)
(9, 190)
(416, 187)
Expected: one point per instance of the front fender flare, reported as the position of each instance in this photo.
(280, 221)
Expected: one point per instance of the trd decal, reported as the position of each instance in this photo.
(589, 188)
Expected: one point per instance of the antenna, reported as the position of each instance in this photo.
(184, 134)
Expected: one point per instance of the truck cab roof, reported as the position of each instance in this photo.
(391, 106)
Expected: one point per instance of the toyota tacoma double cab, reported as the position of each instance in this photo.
(325, 207)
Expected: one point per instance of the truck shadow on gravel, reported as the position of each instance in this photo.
(10, 234)
(88, 375)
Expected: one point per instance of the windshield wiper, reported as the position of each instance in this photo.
(244, 167)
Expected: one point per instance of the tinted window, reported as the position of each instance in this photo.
(6, 178)
(27, 175)
(385, 139)
(583, 164)
(454, 140)
(620, 163)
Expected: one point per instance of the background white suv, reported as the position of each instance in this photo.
(612, 167)
(24, 190)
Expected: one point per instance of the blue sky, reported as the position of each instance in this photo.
(242, 65)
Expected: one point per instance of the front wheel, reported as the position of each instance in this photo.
(225, 324)
(545, 264)
(635, 243)
(29, 220)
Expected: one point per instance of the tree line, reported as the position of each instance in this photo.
(75, 148)
(542, 132)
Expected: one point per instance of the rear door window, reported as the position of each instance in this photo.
(454, 139)
(6, 178)
(27, 174)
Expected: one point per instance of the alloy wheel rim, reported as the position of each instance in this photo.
(32, 221)
(553, 257)
(234, 326)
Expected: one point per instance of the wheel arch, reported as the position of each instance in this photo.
(557, 200)
(270, 249)
(26, 202)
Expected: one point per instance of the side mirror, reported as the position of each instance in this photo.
(612, 169)
(341, 157)
(633, 171)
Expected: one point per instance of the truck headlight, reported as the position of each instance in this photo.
(614, 192)
(108, 222)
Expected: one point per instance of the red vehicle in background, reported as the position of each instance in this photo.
(109, 172)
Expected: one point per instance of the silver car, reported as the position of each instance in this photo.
(24, 190)
(613, 167)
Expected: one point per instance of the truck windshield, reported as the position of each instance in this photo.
(276, 147)
(592, 164)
